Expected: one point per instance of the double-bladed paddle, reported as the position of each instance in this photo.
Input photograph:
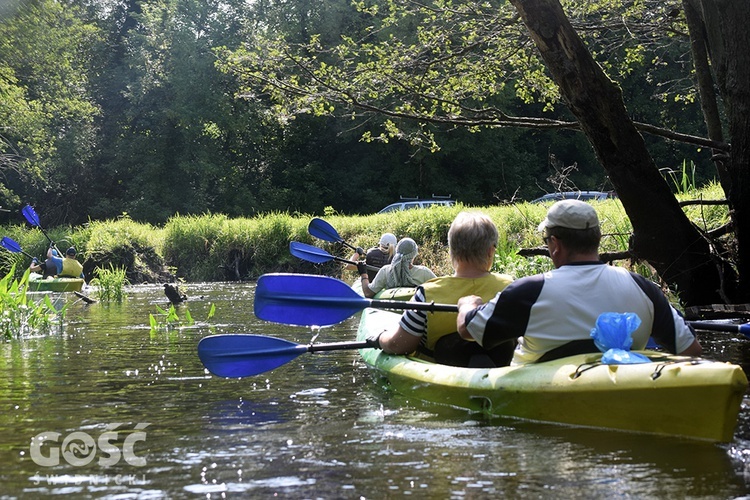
(244, 355)
(326, 232)
(317, 255)
(32, 218)
(743, 329)
(309, 300)
(13, 246)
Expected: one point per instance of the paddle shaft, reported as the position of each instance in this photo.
(27, 255)
(317, 255)
(743, 329)
(347, 261)
(299, 299)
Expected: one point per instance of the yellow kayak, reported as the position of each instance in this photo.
(672, 395)
(39, 284)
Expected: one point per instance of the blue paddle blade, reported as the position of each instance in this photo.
(30, 214)
(309, 252)
(245, 355)
(324, 231)
(11, 245)
(305, 300)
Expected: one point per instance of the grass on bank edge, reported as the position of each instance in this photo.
(206, 247)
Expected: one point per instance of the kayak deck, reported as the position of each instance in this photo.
(672, 395)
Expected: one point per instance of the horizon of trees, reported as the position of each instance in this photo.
(138, 107)
(156, 107)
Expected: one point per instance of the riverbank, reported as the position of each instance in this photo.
(211, 247)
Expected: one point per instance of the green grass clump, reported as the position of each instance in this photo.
(212, 247)
(110, 284)
(20, 316)
(190, 245)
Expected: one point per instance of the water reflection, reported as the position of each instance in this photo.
(317, 427)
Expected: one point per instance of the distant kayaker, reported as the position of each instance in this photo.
(472, 241)
(376, 256)
(401, 272)
(551, 315)
(50, 267)
(47, 268)
(69, 267)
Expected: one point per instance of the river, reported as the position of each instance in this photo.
(109, 409)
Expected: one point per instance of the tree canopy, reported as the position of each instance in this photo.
(157, 107)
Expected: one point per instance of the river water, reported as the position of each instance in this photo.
(118, 411)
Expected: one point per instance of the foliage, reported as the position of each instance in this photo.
(48, 121)
(409, 67)
(133, 106)
(169, 320)
(212, 247)
(20, 316)
(110, 284)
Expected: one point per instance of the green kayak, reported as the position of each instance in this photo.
(39, 284)
(672, 395)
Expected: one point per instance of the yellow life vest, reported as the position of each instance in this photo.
(447, 290)
(71, 268)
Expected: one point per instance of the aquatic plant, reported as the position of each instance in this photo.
(110, 283)
(20, 316)
(169, 320)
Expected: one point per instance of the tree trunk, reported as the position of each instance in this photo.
(662, 234)
(726, 23)
(706, 88)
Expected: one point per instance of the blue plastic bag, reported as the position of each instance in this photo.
(613, 336)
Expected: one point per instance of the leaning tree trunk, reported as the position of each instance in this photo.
(662, 233)
(726, 26)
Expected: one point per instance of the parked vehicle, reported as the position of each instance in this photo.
(576, 195)
(409, 203)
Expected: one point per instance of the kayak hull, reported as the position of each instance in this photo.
(672, 395)
(39, 284)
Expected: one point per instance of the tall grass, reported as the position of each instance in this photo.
(110, 284)
(213, 247)
(683, 179)
(21, 316)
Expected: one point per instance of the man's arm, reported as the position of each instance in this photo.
(694, 350)
(465, 306)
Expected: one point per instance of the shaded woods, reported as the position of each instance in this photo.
(147, 109)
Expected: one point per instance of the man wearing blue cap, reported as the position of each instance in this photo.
(71, 268)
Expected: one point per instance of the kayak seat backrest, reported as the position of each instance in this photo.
(404, 293)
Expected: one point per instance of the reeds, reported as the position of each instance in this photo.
(22, 316)
(110, 284)
(212, 247)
